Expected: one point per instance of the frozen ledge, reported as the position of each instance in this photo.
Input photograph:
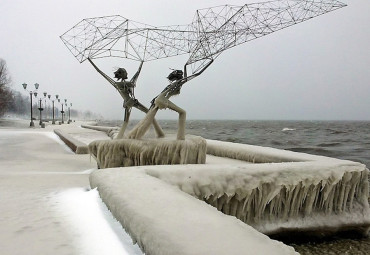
(200, 209)
(112, 132)
(326, 196)
(75, 145)
(259, 154)
(164, 220)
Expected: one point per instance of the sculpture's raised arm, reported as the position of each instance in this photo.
(198, 73)
(162, 102)
(136, 75)
(110, 80)
(175, 87)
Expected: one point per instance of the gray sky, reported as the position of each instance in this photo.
(316, 70)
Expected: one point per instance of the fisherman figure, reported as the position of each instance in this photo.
(162, 101)
(126, 90)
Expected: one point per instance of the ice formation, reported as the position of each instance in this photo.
(280, 195)
(112, 132)
(163, 151)
(162, 219)
(258, 154)
(285, 191)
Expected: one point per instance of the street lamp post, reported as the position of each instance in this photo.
(65, 102)
(57, 110)
(53, 122)
(69, 113)
(62, 111)
(49, 110)
(41, 109)
(32, 124)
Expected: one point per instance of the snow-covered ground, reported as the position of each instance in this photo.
(93, 227)
(45, 203)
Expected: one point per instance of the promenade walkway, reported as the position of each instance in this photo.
(36, 171)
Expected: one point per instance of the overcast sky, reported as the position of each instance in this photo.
(316, 70)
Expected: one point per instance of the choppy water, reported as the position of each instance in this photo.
(340, 139)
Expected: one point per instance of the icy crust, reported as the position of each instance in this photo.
(258, 154)
(164, 220)
(112, 132)
(163, 151)
(276, 196)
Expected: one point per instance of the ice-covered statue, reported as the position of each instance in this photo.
(212, 31)
(162, 101)
(126, 90)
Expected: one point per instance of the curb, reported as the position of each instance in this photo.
(76, 146)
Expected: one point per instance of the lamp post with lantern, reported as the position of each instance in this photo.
(57, 110)
(62, 111)
(69, 113)
(65, 103)
(41, 109)
(52, 100)
(32, 124)
(49, 110)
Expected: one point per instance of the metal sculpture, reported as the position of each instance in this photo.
(212, 31)
(126, 90)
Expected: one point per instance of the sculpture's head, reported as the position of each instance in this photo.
(175, 75)
(121, 73)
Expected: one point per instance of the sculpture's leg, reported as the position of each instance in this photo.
(125, 123)
(157, 127)
(162, 102)
(142, 127)
(182, 119)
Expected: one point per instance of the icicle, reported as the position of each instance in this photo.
(128, 152)
(221, 202)
(226, 206)
(269, 202)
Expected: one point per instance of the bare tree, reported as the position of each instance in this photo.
(20, 104)
(6, 97)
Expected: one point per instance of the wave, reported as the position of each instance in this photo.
(329, 144)
(336, 132)
(313, 150)
(287, 129)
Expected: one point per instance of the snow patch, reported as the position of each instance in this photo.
(50, 135)
(94, 229)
